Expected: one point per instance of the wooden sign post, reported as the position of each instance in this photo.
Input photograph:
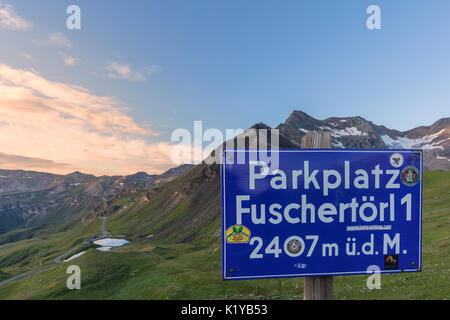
(317, 288)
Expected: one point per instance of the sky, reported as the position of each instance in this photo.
(105, 99)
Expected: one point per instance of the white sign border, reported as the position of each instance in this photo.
(224, 250)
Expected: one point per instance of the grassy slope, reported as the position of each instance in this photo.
(170, 267)
(177, 211)
(37, 247)
(59, 213)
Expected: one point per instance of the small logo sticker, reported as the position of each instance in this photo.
(294, 246)
(237, 234)
(396, 160)
(390, 261)
(410, 176)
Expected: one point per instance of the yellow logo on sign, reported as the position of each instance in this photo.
(237, 234)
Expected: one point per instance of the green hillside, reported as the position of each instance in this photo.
(175, 252)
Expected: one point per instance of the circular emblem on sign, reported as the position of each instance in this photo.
(396, 160)
(294, 246)
(410, 176)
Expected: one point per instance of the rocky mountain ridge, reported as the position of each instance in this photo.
(359, 133)
(30, 198)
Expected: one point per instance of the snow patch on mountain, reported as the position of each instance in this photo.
(337, 144)
(351, 131)
(424, 143)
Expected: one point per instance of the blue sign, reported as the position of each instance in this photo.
(320, 212)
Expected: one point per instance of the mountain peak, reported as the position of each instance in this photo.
(358, 133)
(78, 174)
(260, 126)
(140, 174)
(443, 123)
(301, 116)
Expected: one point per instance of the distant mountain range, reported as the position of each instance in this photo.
(359, 133)
(33, 198)
(181, 211)
(29, 198)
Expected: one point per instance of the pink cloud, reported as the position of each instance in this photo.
(120, 71)
(9, 161)
(10, 20)
(70, 125)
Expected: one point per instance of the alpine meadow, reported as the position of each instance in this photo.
(174, 249)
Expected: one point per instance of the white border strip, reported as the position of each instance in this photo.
(322, 274)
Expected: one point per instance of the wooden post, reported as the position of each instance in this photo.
(316, 140)
(317, 288)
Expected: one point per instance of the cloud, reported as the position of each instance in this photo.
(68, 60)
(27, 56)
(10, 20)
(9, 161)
(68, 124)
(120, 71)
(153, 69)
(55, 39)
